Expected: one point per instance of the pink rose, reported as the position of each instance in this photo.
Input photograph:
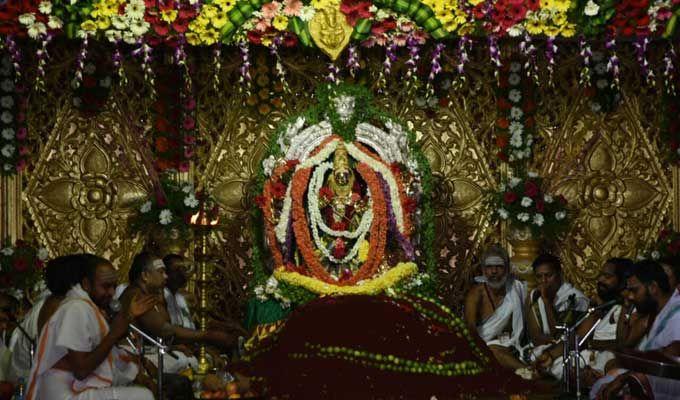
(22, 133)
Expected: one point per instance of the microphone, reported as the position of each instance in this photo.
(605, 305)
(115, 306)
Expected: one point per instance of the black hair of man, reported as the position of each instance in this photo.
(171, 259)
(623, 268)
(674, 262)
(649, 271)
(64, 272)
(141, 263)
(548, 259)
(90, 262)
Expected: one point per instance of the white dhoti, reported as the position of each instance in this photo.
(57, 385)
(510, 309)
(78, 325)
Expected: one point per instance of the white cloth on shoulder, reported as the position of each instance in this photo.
(178, 309)
(21, 345)
(79, 325)
(511, 308)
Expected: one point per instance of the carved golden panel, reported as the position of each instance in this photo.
(609, 171)
(86, 185)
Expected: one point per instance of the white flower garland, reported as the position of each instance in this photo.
(313, 204)
(395, 198)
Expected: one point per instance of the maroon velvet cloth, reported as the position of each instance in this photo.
(376, 324)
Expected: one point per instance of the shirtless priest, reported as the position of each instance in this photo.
(494, 307)
(77, 357)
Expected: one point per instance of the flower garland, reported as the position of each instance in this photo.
(13, 129)
(21, 265)
(603, 92)
(90, 96)
(670, 127)
(522, 202)
(377, 285)
(119, 20)
(667, 245)
(515, 124)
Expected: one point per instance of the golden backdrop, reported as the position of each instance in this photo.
(89, 171)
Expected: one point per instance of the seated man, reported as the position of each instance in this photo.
(554, 302)
(178, 308)
(7, 311)
(609, 331)
(649, 290)
(77, 357)
(61, 274)
(493, 308)
(671, 266)
(147, 276)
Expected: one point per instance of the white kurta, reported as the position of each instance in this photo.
(78, 325)
(178, 309)
(21, 345)
(664, 331)
(511, 309)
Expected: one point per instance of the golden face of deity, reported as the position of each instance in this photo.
(342, 178)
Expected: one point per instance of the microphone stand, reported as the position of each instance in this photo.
(162, 349)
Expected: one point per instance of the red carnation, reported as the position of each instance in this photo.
(531, 189)
(254, 37)
(410, 205)
(290, 39)
(278, 190)
(540, 205)
(502, 141)
(20, 265)
(339, 249)
(509, 197)
(502, 156)
(259, 200)
(504, 104)
(502, 123)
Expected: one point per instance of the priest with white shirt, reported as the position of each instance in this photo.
(552, 303)
(76, 356)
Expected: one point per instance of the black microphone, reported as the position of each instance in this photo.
(115, 306)
(605, 305)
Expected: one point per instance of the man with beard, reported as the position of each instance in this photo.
(648, 289)
(77, 356)
(493, 308)
(610, 285)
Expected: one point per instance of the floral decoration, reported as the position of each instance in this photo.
(90, 96)
(170, 207)
(515, 125)
(326, 241)
(666, 246)
(602, 92)
(14, 147)
(21, 264)
(523, 202)
(670, 127)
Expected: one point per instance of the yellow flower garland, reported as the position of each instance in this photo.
(370, 287)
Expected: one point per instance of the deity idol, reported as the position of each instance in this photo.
(348, 233)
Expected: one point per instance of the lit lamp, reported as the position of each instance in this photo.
(203, 221)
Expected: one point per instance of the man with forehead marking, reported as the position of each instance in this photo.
(493, 308)
(77, 357)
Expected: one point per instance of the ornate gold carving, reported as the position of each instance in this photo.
(330, 30)
(616, 185)
(86, 185)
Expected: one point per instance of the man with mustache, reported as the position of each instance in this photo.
(648, 289)
(493, 308)
(610, 285)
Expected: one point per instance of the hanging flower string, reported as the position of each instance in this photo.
(42, 56)
(463, 47)
(118, 63)
(550, 53)
(353, 60)
(641, 44)
(80, 63)
(15, 55)
(669, 69)
(495, 55)
(145, 51)
(244, 79)
(217, 66)
(586, 54)
(414, 56)
(390, 57)
(613, 63)
(333, 73)
(280, 71)
(528, 48)
(436, 68)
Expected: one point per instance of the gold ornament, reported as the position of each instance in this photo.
(330, 31)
